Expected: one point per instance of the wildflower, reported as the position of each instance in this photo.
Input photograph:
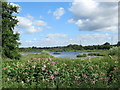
(103, 74)
(108, 78)
(96, 66)
(56, 62)
(52, 77)
(8, 79)
(93, 82)
(78, 64)
(50, 59)
(84, 75)
(52, 63)
(55, 72)
(26, 73)
(4, 68)
(22, 82)
(34, 58)
(43, 68)
(27, 80)
(47, 80)
(91, 67)
(21, 65)
(39, 59)
(97, 74)
(34, 66)
(101, 79)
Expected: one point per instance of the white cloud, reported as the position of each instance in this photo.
(49, 11)
(59, 12)
(55, 36)
(40, 23)
(30, 25)
(71, 20)
(95, 16)
(41, 17)
(84, 39)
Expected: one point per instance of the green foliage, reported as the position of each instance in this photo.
(60, 73)
(45, 52)
(9, 39)
(56, 53)
(97, 54)
(83, 55)
(114, 51)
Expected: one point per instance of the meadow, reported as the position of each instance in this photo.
(45, 71)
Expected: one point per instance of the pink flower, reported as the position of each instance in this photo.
(56, 62)
(96, 73)
(84, 75)
(34, 58)
(103, 74)
(101, 79)
(39, 59)
(4, 68)
(55, 72)
(108, 78)
(52, 77)
(52, 63)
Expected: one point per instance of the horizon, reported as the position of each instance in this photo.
(52, 24)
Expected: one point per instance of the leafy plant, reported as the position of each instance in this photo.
(83, 55)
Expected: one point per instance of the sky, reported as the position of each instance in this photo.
(50, 24)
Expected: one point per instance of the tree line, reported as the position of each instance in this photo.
(70, 47)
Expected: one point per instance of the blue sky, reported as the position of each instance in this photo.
(44, 24)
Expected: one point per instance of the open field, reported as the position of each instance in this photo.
(43, 71)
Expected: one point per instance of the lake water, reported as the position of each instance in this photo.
(61, 55)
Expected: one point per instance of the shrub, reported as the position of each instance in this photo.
(97, 54)
(45, 52)
(56, 53)
(83, 55)
(114, 51)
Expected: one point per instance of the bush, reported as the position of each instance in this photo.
(45, 52)
(56, 53)
(83, 55)
(97, 54)
(114, 51)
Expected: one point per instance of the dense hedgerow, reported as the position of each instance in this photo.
(44, 72)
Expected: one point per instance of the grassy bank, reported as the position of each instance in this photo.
(42, 71)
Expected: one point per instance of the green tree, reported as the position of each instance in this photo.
(118, 44)
(9, 38)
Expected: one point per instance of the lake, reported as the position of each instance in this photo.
(61, 55)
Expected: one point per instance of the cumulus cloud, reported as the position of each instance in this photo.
(59, 12)
(40, 23)
(95, 16)
(83, 39)
(30, 25)
(56, 35)
(71, 20)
